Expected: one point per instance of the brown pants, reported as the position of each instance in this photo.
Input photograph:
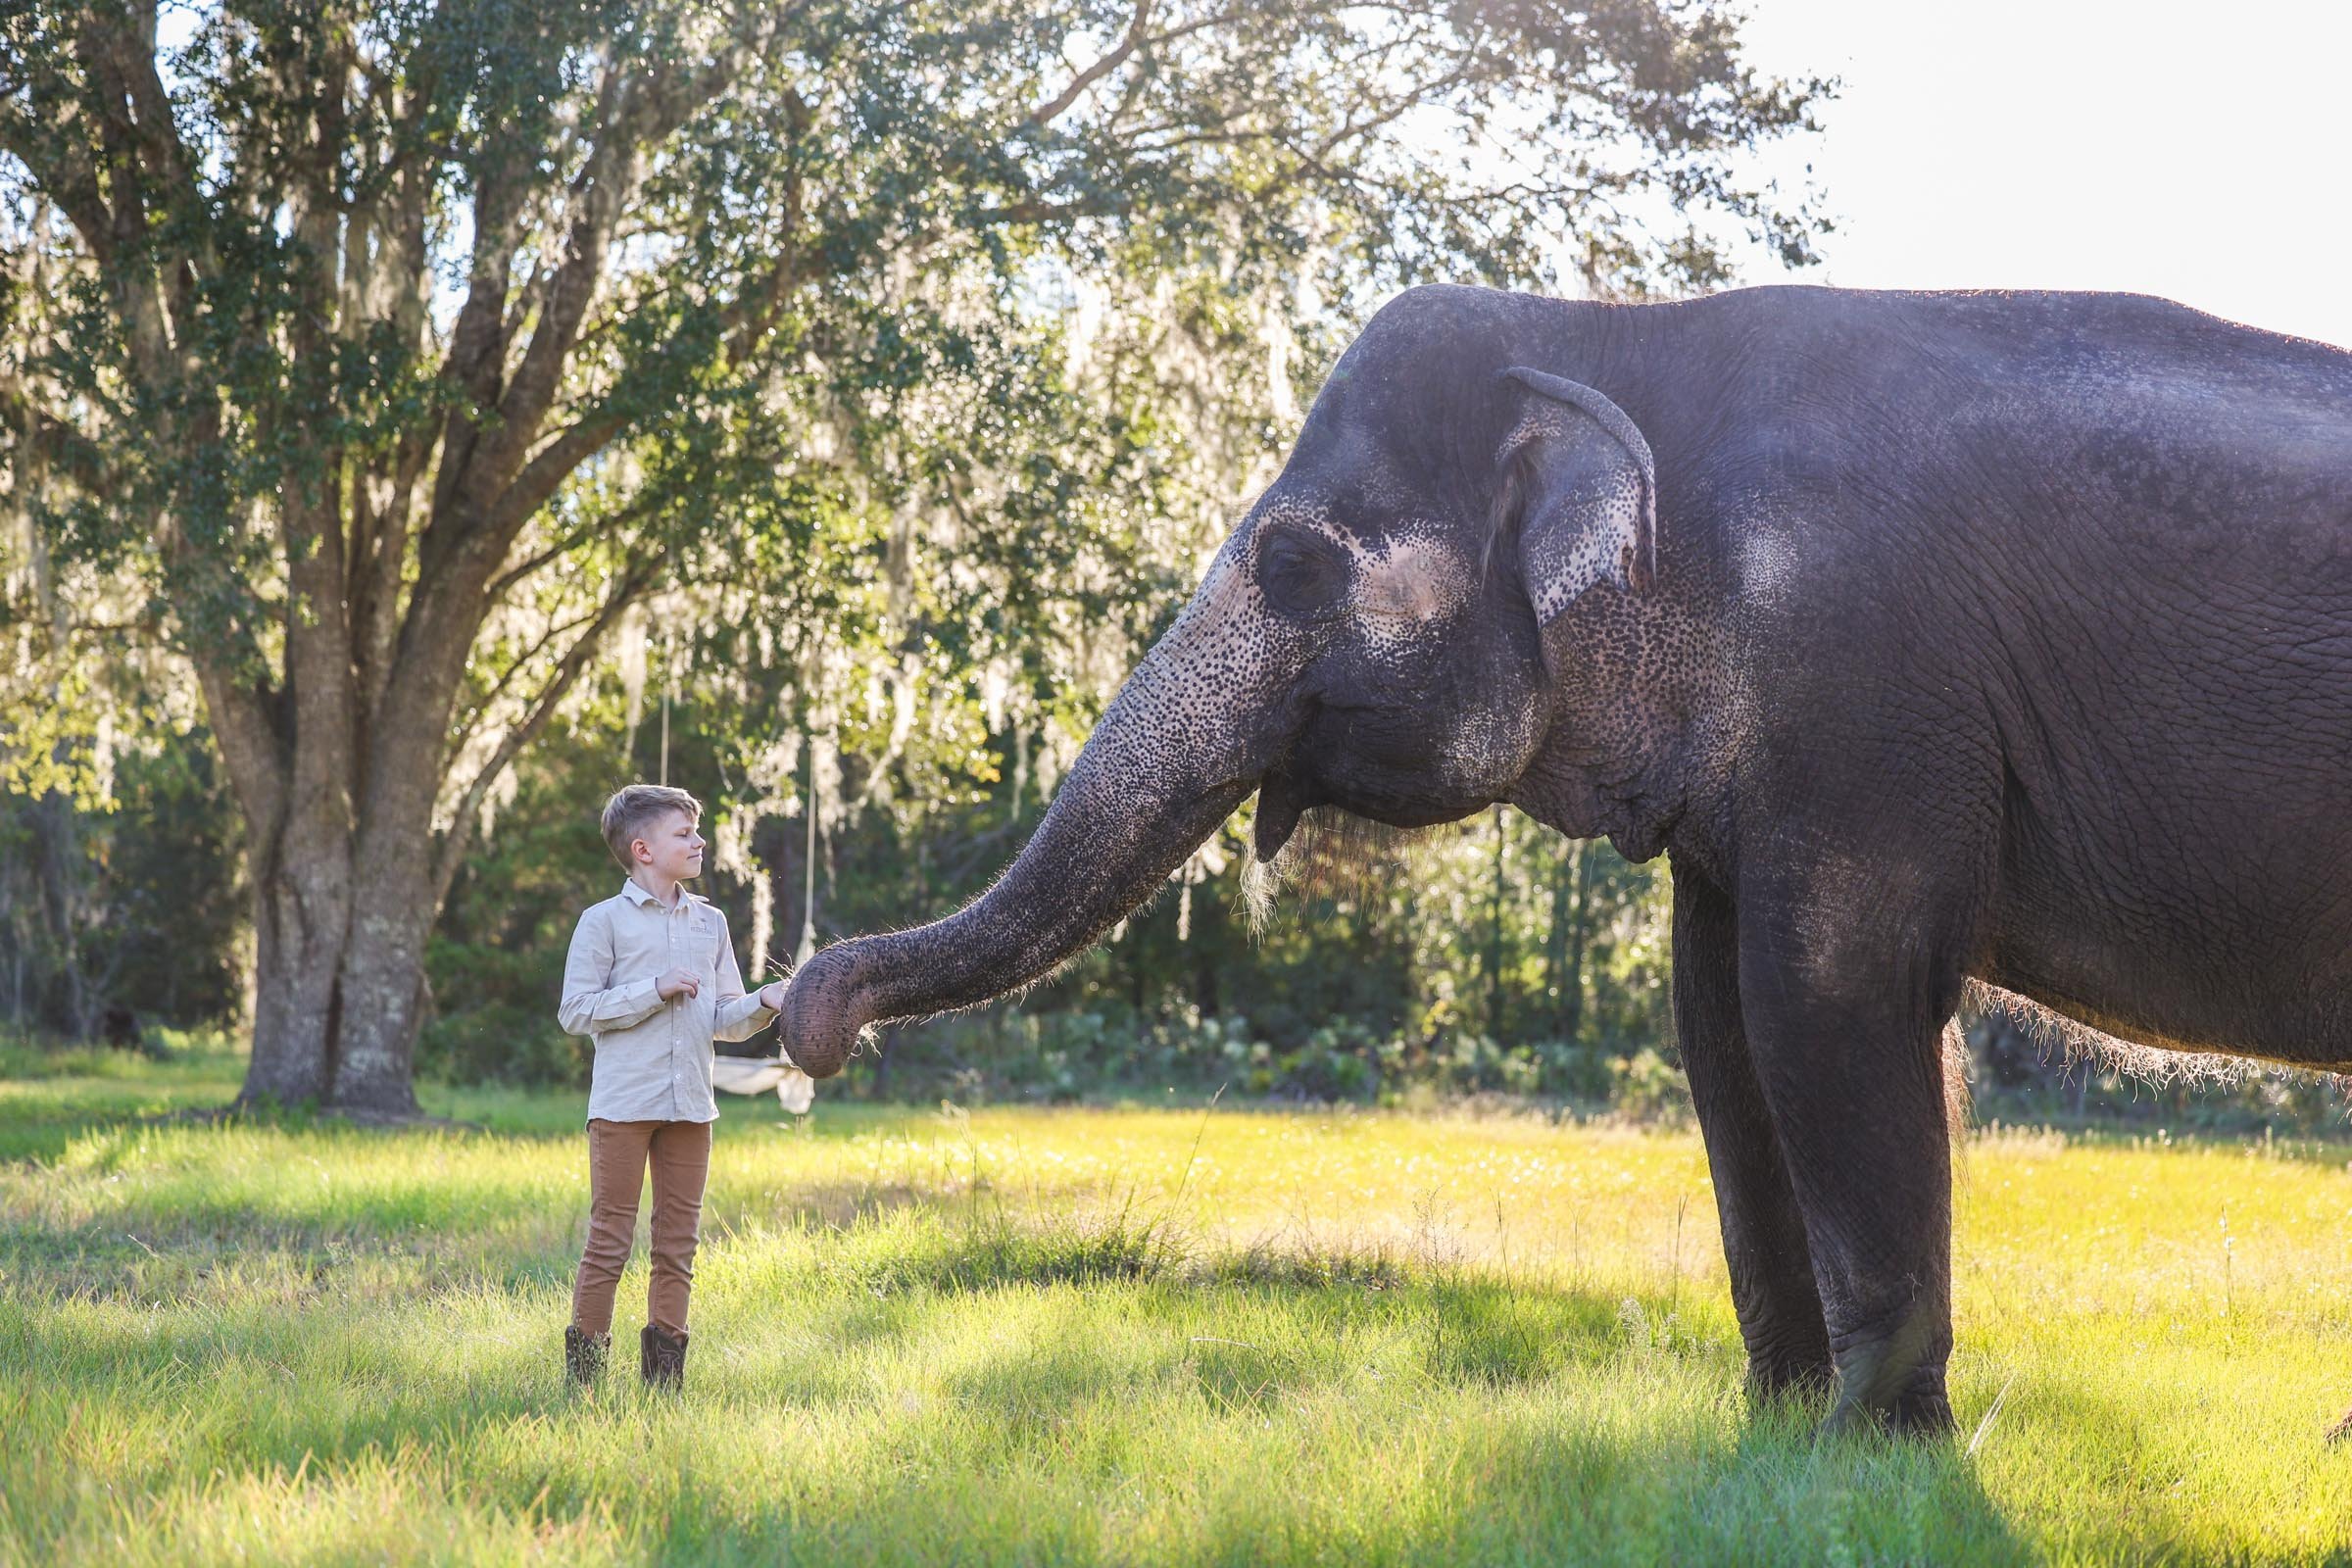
(619, 1152)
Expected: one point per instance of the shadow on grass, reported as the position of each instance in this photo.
(1528, 1483)
(40, 1127)
(999, 1456)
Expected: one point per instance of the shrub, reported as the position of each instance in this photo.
(1646, 1087)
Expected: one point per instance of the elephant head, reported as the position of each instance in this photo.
(1380, 633)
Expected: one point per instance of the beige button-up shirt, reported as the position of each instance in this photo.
(652, 1057)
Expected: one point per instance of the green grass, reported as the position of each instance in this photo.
(1132, 1336)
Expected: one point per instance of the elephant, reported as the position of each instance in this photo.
(1936, 638)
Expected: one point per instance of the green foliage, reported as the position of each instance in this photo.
(1647, 1086)
(117, 918)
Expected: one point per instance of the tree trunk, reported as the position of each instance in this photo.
(1555, 940)
(1570, 983)
(58, 851)
(339, 975)
(301, 915)
(1495, 932)
(382, 992)
(342, 908)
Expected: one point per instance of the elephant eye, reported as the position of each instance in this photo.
(1302, 574)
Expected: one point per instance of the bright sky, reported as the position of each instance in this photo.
(2201, 155)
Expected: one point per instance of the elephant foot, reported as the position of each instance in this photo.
(1923, 1413)
(1894, 1384)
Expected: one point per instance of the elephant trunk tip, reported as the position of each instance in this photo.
(825, 1009)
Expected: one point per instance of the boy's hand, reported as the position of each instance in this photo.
(772, 996)
(679, 981)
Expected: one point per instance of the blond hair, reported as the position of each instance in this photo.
(631, 811)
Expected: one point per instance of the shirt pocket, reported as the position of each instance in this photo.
(707, 942)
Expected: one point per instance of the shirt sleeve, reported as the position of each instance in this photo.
(737, 1016)
(591, 1004)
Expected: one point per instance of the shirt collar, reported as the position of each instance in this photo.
(636, 894)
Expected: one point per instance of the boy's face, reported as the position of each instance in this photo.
(671, 846)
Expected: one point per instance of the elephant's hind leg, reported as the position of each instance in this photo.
(1763, 1232)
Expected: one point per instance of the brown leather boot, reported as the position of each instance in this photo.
(662, 1357)
(584, 1356)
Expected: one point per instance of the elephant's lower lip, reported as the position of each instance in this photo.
(1281, 801)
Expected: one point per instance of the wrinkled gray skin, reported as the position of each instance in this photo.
(1932, 636)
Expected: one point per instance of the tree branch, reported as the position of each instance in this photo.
(1043, 212)
(756, 309)
(244, 719)
(637, 117)
(1404, 102)
(97, 47)
(478, 341)
(498, 688)
(564, 546)
(157, 130)
(539, 478)
(63, 169)
(71, 453)
(1053, 108)
(575, 660)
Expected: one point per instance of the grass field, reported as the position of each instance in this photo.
(1148, 1335)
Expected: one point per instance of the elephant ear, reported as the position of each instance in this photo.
(1579, 494)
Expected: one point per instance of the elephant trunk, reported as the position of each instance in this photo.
(1167, 763)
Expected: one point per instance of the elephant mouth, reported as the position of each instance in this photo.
(1285, 797)
(1281, 799)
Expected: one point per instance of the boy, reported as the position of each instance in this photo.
(653, 977)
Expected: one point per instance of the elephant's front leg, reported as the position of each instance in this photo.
(1845, 1011)
(1763, 1232)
